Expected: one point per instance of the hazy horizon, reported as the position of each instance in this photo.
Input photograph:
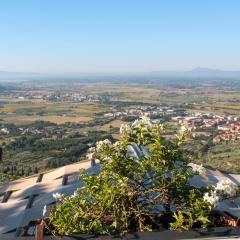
(196, 69)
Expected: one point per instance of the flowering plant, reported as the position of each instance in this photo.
(224, 189)
(142, 176)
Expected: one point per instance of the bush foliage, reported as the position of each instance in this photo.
(134, 188)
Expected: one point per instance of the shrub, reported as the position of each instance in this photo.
(135, 187)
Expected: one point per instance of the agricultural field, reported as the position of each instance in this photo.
(49, 118)
(58, 113)
(50, 125)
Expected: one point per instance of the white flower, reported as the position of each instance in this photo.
(117, 144)
(125, 128)
(89, 156)
(90, 153)
(199, 169)
(92, 149)
(136, 123)
(226, 187)
(57, 196)
(74, 195)
(107, 141)
(101, 143)
(144, 121)
(106, 159)
(211, 198)
(183, 129)
(222, 188)
(44, 210)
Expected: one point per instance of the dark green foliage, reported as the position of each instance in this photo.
(51, 146)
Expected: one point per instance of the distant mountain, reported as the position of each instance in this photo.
(206, 72)
(196, 73)
(18, 76)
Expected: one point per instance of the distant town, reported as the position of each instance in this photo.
(227, 126)
(223, 127)
(68, 97)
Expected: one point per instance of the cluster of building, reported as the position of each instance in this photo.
(72, 97)
(5, 130)
(226, 127)
(143, 111)
(151, 111)
(229, 132)
(114, 114)
(44, 132)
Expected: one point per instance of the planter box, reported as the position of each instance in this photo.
(212, 233)
(227, 227)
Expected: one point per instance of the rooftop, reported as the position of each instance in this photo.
(23, 200)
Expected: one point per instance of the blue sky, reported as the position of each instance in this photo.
(119, 35)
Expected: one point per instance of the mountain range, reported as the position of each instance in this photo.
(197, 73)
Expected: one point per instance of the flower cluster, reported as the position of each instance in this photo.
(226, 187)
(211, 198)
(89, 156)
(125, 129)
(94, 150)
(117, 145)
(223, 189)
(90, 153)
(100, 144)
(144, 121)
(199, 169)
(57, 196)
(74, 195)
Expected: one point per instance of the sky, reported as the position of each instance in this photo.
(93, 36)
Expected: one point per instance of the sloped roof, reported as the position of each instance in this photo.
(26, 197)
